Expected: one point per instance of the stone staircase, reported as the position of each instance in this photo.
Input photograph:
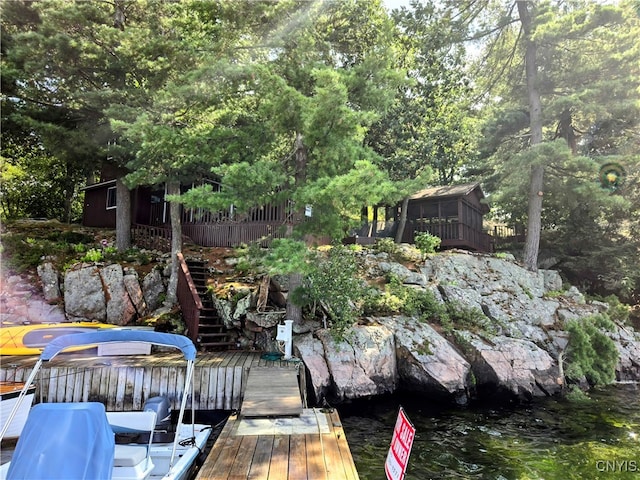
(212, 334)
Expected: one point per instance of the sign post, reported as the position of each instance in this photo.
(398, 457)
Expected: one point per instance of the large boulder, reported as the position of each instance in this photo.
(427, 362)
(84, 297)
(311, 351)
(362, 365)
(120, 309)
(153, 289)
(134, 290)
(514, 365)
(50, 282)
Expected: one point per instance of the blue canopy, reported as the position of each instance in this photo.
(119, 335)
(63, 441)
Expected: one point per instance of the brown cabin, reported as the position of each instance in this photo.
(150, 216)
(453, 212)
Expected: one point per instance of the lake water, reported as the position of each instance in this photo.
(546, 439)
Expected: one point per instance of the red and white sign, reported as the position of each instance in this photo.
(398, 457)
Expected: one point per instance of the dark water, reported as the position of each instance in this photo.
(547, 439)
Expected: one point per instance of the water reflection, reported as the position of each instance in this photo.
(547, 439)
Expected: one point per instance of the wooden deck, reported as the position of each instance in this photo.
(309, 452)
(124, 382)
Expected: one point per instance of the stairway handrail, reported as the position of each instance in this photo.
(189, 299)
(192, 286)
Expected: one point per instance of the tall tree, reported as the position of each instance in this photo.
(587, 74)
(536, 182)
(295, 104)
(428, 130)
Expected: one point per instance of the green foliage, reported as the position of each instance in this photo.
(34, 184)
(93, 255)
(427, 243)
(618, 311)
(285, 256)
(590, 352)
(385, 245)
(333, 283)
(575, 394)
(398, 298)
(423, 304)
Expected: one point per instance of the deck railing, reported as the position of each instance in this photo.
(233, 234)
(189, 300)
(454, 234)
(151, 237)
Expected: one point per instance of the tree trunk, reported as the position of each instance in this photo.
(173, 188)
(402, 221)
(123, 216)
(294, 312)
(536, 181)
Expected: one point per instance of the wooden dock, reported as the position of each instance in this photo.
(282, 450)
(124, 382)
(274, 438)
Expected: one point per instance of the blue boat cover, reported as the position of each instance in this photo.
(115, 335)
(64, 441)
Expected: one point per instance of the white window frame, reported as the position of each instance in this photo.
(113, 196)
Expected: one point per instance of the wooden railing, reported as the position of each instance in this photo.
(231, 234)
(452, 234)
(189, 300)
(150, 237)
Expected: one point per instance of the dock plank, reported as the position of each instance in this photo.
(271, 392)
(242, 463)
(261, 458)
(279, 466)
(298, 457)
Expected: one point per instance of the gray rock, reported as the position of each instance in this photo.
(311, 351)
(363, 365)
(266, 319)
(50, 282)
(518, 366)
(242, 306)
(84, 295)
(428, 363)
(403, 273)
(153, 289)
(120, 309)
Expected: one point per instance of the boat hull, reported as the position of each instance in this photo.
(9, 392)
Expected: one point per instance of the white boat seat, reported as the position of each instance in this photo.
(132, 422)
(129, 455)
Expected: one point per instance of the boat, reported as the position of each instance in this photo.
(31, 339)
(9, 392)
(83, 441)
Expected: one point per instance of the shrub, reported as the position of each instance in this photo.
(618, 311)
(385, 245)
(426, 243)
(333, 283)
(92, 255)
(590, 352)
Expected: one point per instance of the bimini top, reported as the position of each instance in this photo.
(180, 342)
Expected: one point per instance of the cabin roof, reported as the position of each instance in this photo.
(108, 183)
(447, 191)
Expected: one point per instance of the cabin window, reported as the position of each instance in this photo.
(111, 198)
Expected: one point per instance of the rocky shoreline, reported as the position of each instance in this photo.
(527, 312)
